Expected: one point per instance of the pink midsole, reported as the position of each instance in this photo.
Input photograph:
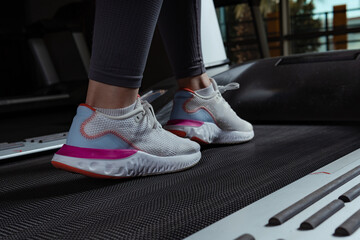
(93, 153)
(185, 122)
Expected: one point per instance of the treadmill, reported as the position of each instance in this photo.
(297, 179)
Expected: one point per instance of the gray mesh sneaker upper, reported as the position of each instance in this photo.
(141, 130)
(221, 111)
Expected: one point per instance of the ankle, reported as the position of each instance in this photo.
(117, 111)
(195, 82)
(102, 95)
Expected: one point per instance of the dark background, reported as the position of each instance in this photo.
(54, 21)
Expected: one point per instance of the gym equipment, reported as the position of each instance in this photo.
(307, 139)
(39, 200)
(307, 87)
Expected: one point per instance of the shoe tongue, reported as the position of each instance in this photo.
(214, 84)
(208, 91)
(138, 103)
(142, 104)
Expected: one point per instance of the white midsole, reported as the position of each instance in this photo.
(138, 164)
(211, 133)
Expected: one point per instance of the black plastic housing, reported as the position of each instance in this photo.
(308, 87)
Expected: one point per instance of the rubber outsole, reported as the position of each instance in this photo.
(210, 133)
(80, 171)
(139, 164)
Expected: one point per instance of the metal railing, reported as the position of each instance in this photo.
(327, 29)
(245, 41)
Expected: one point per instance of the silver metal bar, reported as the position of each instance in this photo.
(30, 148)
(47, 138)
(33, 99)
(43, 59)
(285, 26)
(33, 145)
(5, 146)
(82, 48)
(260, 28)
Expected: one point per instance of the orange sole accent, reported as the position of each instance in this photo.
(183, 134)
(83, 172)
(198, 140)
(178, 133)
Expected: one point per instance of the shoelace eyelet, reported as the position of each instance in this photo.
(139, 116)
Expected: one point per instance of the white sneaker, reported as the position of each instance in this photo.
(208, 119)
(129, 145)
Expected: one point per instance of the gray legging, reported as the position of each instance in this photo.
(123, 32)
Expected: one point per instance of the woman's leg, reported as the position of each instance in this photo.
(116, 134)
(179, 24)
(199, 112)
(123, 32)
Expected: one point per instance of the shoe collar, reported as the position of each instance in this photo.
(217, 89)
(88, 106)
(138, 108)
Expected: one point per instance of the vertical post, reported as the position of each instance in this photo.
(228, 52)
(83, 49)
(259, 28)
(285, 26)
(274, 31)
(340, 24)
(222, 23)
(44, 62)
(327, 32)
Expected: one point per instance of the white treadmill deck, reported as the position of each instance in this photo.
(254, 218)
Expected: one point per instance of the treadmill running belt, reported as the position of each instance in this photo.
(39, 201)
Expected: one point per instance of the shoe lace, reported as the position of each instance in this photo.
(149, 111)
(230, 86)
(222, 89)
